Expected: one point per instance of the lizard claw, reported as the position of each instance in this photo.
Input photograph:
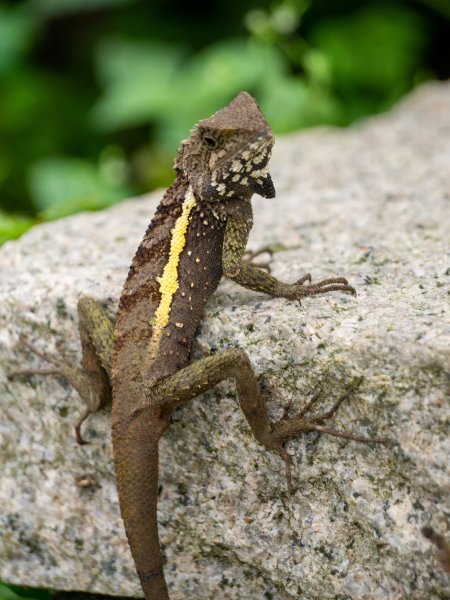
(332, 284)
(78, 379)
(289, 427)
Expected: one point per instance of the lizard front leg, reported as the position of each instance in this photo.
(235, 240)
(92, 378)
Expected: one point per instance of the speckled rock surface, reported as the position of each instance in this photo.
(371, 202)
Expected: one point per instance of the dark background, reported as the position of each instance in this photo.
(95, 95)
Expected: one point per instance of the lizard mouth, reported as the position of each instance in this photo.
(243, 172)
(266, 189)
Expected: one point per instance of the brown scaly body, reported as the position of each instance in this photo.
(199, 232)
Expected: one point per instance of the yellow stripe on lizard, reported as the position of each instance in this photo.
(168, 282)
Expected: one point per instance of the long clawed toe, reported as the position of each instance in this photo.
(332, 284)
(287, 459)
(288, 427)
(80, 439)
(62, 367)
(318, 419)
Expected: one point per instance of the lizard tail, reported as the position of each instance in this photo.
(136, 463)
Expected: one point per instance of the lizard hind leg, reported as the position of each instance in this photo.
(91, 379)
(135, 443)
(204, 374)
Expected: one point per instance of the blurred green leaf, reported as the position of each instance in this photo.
(137, 78)
(16, 34)
(443, 6)
(14, 592)
(372, 53)
(62, 186)
(304, 105)
(59, 7)
(12, 227)
(7, 594)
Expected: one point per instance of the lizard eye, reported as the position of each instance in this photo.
(210, 142)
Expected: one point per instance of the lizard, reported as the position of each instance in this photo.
(198, 233)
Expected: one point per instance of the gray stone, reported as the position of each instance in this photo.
(371, 202)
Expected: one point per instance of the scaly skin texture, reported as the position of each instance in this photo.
(198, 233)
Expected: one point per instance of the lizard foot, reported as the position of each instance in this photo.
(81, 380)
(288, 427)
(332, 284)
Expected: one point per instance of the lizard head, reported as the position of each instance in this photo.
(227, 155)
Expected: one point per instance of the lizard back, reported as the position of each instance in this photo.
(174, 271)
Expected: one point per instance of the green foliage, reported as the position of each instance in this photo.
(372, 59)
(96, 94)
(16, 31)
(62, 186)
(13, 592)
(12, 226)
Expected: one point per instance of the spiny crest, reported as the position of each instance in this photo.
(242, 113)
